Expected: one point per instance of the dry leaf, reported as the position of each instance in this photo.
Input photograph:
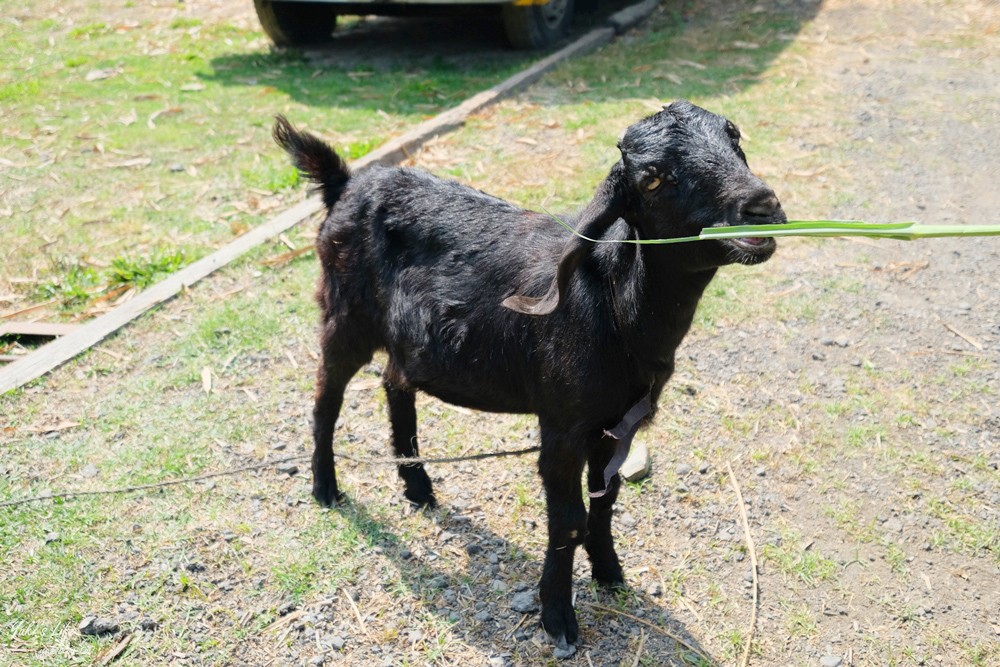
(130, 164)
(98, 74)
(206, 379)
(61, 426)
(192, 87)
(286, 257)
(156, 114)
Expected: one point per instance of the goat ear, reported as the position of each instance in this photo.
(606, 207)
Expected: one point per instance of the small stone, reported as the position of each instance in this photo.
(627, 520)
(473, 549)
(52, 537)
(842, 342)
(831, 661)
(893, 525)
(499, 586)
(88, 471)
(415, 636)
(638, 464)
(818, 356)
(405, 554)
(682, 469)
(524, 602)
(96, 626)
(761, 472)
(176, 168)
(703, 468)
(493, 558)
(655, 590)
(965, 306)
(317, 660)
(287, 468)
(483, 616)
(337, 642)
(148, 624)
(826, 341)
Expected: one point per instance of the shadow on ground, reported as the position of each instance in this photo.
(482, 616)
(425, 64)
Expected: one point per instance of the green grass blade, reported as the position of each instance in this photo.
(902, 231)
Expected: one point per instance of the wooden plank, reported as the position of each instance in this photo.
(630, 17)
(51, 329)
(61, 350)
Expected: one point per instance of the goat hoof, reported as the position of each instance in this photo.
(421, 500)
(563, 649)
(559, 621)
(610, 580)
(327, 496)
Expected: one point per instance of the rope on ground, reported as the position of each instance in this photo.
(753, 564)
(258, 466)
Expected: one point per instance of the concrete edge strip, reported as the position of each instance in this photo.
(54, 354)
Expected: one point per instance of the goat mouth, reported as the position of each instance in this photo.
(751, 249)
(753, 243)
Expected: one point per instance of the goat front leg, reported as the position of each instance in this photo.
(561, 465)
(599, 543)
(403, 417)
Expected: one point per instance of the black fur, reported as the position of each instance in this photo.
(419, 266)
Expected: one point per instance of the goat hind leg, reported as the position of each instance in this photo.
(339, 364)
(403, 417)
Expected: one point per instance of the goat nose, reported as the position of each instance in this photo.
(763, 204)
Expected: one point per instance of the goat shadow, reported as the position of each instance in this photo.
(425, 65)
(489, 623)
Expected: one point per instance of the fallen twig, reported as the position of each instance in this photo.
(361, 620)
(638, 651)
(118, 649)
(652, 626)
(968, 339)
(745, 660)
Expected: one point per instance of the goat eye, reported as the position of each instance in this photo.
(732, 131)
(653, 183)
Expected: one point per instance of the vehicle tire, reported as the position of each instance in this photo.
(296, 23)
(537, 26)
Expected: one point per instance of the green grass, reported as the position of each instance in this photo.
(150, 131)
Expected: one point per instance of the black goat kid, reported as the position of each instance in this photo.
(492, 307)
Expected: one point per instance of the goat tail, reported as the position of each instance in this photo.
(314, 159)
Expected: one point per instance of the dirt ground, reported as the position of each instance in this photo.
(857, 396)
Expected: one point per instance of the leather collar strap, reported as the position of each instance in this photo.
(623, 432)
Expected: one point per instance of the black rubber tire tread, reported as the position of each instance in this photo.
(296, 23)
(526, 27)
